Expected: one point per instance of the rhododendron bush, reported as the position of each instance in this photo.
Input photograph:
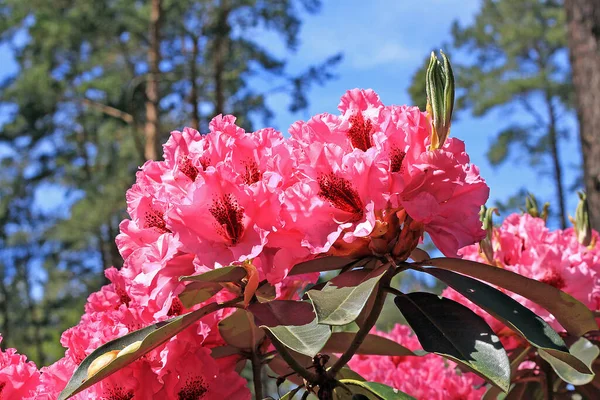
(229, 234)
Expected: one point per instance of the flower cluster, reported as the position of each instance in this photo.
(427, 377)
(364, 181)
(524, 244)
(18, 377)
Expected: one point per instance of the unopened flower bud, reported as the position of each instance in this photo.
(486, 246)
(440, 98)
(532, 208)
(582, 221)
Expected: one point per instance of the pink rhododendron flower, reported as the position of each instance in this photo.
(358, 183)
(372, 162)
(427, 377)
(523, 244)
(18, 377)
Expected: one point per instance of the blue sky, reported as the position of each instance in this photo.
(384, 42)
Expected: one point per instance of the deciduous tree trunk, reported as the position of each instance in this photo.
(152, 128)
(583, 19)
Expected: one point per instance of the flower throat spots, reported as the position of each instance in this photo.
(340, 194)
(360, 132)
(229, 216)
(194, 389)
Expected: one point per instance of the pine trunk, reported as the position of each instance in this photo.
(152, 95)
(583, 19)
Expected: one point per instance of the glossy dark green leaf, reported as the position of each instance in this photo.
(131, 347)
(574, 316)
(584, 350)
(343, 298)
(372, 345)
(225, 274)
(239, 330)
(450, 329)
(511, 313)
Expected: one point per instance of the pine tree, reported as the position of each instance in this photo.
(512, 56)
(583, 19)
(99, 86)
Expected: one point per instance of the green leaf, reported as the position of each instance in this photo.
(516, 358)
(372, 345)
(198, 292)
(575, 317)
(225, 274)
(293, 323)
(136, 344)
(342, 299)
(511, 313)
(306, 339)
(239, 330)
(374, 390)
(450, 329)
(328, 263)
(586, 351)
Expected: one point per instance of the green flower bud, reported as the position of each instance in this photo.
(485, 246)
(582, 221)
(440, 98)
(532, 208)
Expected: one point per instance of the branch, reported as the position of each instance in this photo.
(290, 360)
(256, 361)
(256, 375)
(369, 323)
(108, 110)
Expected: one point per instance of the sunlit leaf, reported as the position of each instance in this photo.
(450, 329)
(342, 299)
(583, 349)
(149, 338)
